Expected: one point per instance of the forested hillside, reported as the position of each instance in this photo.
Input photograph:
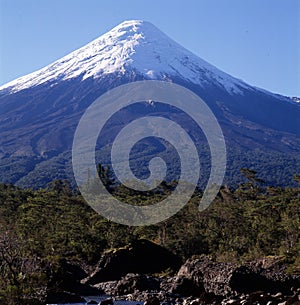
(38, 228)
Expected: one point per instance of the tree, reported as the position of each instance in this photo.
(106, 175)
(297, 178)
(22, 279)
(252, 187)
(251, 175)
(60, 187)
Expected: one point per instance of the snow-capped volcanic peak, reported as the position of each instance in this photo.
(131, 46)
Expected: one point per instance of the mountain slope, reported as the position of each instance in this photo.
(40, 111)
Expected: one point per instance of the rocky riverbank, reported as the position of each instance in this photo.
(134, 273)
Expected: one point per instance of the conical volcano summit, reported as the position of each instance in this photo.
(39, 112)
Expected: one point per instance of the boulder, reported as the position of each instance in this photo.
(204, 275)
(67, 279)
(136, 282)
(186, 287)
(246, 280)
(220, 278)
(108, 288)
(273, 268)
(142, 257)
(130, 283)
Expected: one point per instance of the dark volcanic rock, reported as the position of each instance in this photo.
(136, 282)
(131, 283)
(204, 281)
(220, 278)
(140, 257)
(152, 300)
(245, 280)
(205, 275)
(71, 270)
(273, 269)
(187, 287)
(67, 279)
(108, 288)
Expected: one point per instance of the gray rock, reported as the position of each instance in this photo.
(136, 282)
(129, 284)
(107, 287)
(220, 278)
(186, 287)
(152, 300)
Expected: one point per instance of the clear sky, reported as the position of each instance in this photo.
(255, 40)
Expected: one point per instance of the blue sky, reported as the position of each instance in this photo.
(255, 40)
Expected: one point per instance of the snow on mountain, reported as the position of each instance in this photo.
(296, 99)
(131, 46)
(37, 126)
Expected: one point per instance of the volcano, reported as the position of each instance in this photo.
(39, 112)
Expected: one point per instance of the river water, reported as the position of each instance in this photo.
(99, 299)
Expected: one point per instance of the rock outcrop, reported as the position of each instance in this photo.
(130, 283)
(224, 279)
(140, 257)
(201, 281)
(65, 286)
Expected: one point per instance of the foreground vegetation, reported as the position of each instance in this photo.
(40, 227)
